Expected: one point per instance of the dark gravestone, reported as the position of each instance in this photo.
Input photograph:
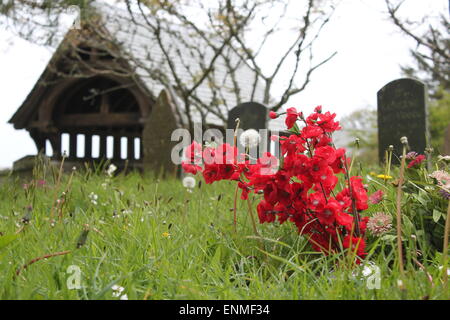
(402, 111)
(252, 115)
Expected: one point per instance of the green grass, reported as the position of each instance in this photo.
(203, 258)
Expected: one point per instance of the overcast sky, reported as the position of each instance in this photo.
(370, 50)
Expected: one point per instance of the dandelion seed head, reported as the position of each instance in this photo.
(250, 138)
(189, 182)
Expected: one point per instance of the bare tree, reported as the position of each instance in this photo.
(432, 51)
(188, 47)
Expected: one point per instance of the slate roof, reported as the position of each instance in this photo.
(146, 57)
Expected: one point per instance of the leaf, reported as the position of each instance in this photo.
(408, 225)
(436, 215)
(6, 240)
(388, 237)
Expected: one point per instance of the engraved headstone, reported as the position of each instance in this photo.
(252, 115)
(402, 111)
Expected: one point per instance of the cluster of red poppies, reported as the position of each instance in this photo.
(301, 186)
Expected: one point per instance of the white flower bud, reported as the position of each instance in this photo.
(189, 182)
(250, 138)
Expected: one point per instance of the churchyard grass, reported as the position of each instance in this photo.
(157, 240)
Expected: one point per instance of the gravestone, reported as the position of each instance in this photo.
(156, 137)
(446, 147)
(252, 115)
(402, 111)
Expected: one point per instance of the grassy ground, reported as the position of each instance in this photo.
(159, 241)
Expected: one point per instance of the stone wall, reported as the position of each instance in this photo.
(156, 137)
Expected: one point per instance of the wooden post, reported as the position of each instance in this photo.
(73, 146)
(102, 147)
(116, 154)
(88, 146)
(130, 146)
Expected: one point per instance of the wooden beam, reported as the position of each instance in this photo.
(99, 120)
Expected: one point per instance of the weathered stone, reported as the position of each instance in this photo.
(402, 111)
(446, 147)
(252, 115)
(156, 137)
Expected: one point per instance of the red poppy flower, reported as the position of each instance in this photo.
(417, 161)
(291, 117)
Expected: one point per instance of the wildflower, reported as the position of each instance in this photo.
(376, 197)
(417, 161)
(93, 197)
(291, 117)
(404, 140)
(372, 173)
(379, 224)
(41, 183)
(445, 194)
(250, 138)
(117, 291)
(411, 155)
(442, 178)
(443, 181)
(111, 169)
(400, 284)
(384, 177)
(273, 115)
(302, 189)
(166, 235)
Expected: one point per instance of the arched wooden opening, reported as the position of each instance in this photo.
(97, 118)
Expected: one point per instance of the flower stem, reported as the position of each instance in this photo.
(41, 258)
(399, 213)
(445, 249)
(255, 230)
(235, 209)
